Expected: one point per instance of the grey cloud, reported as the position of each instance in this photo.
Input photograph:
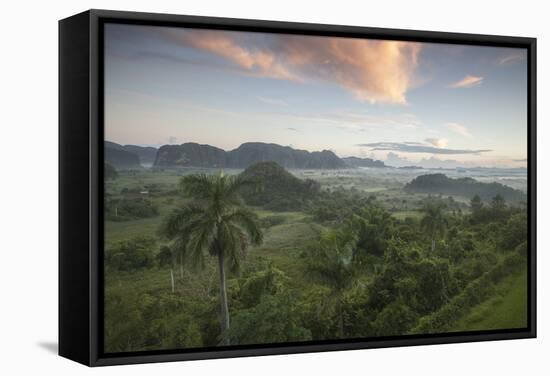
(410, 147)
(396, 160)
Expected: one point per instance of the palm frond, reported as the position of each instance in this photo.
(234, 242)
(248, 220)
(203, 233)
(189, 256)
(198, 186)
(234, 184)
(217, 191)
(178, 219)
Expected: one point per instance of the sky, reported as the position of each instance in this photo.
(406, 103)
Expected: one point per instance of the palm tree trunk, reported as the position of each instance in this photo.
(340, 320)
(223, 297)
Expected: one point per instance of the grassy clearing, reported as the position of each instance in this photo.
(374, 189)
(118, 231)
(126, 230)
(289, 216)
(407, 214)
(140, 179)
(506, 310)
(283, 244)
(281, 247)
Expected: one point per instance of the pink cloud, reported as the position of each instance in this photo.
(512, 58)
(222, 44)
(468, 81)
(372, 70)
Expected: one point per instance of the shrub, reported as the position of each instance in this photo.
(164, 257)
(395, 319)
(272, 220)
(273, 320)
(514, 232)
(139, 321)
(259, 284)
(131, 254)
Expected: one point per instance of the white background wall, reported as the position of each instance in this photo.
(28, 186)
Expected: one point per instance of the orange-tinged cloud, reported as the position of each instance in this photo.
(372, 70)
(468, 81)
(220, 43)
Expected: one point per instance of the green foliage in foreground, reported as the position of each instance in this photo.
(505, 309)
(135, 320)
(266, 308)
(357, 272)
(475, 293)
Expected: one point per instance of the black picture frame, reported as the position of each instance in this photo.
(81, 185)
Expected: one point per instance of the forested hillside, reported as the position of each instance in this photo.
(466, 187)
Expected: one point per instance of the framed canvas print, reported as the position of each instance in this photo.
(237, 187)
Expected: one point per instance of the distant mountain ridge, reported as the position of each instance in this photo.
(116, 156)
(197, 155)
(192, 154)
(129, 156)
(146, 154)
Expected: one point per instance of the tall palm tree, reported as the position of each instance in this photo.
(331, 263)
(434, 221)
(215, 222)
